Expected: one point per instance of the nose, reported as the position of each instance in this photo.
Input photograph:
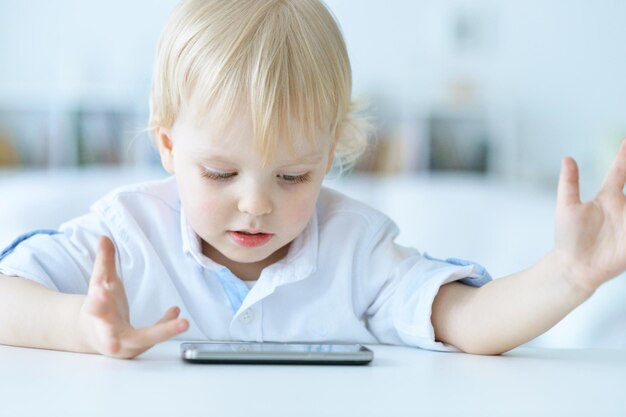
(255, 200)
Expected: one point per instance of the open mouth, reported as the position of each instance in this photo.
(249, 239)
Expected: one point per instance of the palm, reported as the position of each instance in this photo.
(593, 235)
(109, 313)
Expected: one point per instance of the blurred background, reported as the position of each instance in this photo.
(498, 88)
(475, 103)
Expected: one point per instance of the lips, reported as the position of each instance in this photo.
(249, 239)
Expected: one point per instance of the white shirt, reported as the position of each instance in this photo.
(343, 279)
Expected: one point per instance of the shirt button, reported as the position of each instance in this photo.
(246, 317)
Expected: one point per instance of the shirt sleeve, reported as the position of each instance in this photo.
(61, 260)
(405, 284)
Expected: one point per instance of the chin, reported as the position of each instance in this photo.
(249, 257)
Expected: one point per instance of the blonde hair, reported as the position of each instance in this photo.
(285, 59)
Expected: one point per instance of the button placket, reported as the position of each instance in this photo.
(246, 316)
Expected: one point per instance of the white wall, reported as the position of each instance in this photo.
(67, 51)
(553, 70)
(558, 67)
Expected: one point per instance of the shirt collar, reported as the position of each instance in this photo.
(191, 241)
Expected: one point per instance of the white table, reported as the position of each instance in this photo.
(400, 382)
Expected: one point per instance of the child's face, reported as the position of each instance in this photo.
(246, 212)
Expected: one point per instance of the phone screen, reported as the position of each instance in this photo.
(276, 347)
(253, 352)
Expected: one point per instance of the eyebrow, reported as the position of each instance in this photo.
(306, 159)
(312, 158)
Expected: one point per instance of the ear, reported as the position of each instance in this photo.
(166, 149)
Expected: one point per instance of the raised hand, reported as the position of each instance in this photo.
(104, 316)
(591, 237)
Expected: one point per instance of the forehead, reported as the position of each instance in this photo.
(211, 133)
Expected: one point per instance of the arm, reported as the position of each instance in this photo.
(32, 315)
(506, 312)
(590, 249)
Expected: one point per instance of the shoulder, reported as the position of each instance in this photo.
(338, 212)
(150, 209)
(145, 196)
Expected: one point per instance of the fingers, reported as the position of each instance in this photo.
(130, 342)
(568, 191)
(160, 332)
(616, 177)
(103, 286)
(171, 314)
(104, 264)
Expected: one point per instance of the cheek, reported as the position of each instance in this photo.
(208, 215)
(210, 206)
(202, 205)
(207, 206)
(299, 208)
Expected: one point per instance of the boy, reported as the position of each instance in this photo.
(250, 107)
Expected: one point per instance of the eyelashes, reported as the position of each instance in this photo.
(295, 179)
(226, 176)
(218, 176)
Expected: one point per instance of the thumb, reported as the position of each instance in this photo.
(104, 265)
(568, 192)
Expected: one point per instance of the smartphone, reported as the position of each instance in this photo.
(276, 353)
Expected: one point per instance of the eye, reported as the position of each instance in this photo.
(218, 176)
(294, 179)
